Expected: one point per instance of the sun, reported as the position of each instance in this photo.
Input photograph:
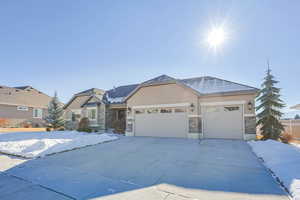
(216, 37)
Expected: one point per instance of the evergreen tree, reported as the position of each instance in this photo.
(270, 105)
(55, 113)
(297, 116)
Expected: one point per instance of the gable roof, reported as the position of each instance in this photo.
(23, 96)
(82, 98)
(205, 85)
(91, 92)
(163, 79)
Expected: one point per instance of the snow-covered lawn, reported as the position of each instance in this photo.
(38, 144)
(283, 160)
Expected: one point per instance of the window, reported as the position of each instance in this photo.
(179, 110)
(22, 108)
(38, 113)
(166, 110)
(91, 114)
(74, 117)
(212, 109)
(153, 110)
(139, 111)
(231, 108)
(69, 115)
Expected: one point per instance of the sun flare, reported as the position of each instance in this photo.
(216, 37)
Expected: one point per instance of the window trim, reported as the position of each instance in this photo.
(231, 108)
(37, 116)
(96, 113)
(22, 108)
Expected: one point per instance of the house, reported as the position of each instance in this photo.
(23, 106)
(202, 107)
(297, 107)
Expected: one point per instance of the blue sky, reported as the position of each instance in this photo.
(70, 46)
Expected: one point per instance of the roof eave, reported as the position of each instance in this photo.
(297, 107)
(240, 92)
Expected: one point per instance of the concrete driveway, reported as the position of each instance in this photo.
(135, 168)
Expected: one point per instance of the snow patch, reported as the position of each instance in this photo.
(283, 160)
(213, 85)
(39, 144)
(114, 99)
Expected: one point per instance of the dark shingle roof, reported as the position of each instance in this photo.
(118, 94)
(23, 87)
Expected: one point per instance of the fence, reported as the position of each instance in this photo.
(292, 127)
(8, 130)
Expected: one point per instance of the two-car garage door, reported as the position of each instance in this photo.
(164, 122)
(218, 121)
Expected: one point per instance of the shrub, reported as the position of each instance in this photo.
(84, 125)
(3, 122)
(36, 125)
(286, 138)
(119, 126)
(27, 125)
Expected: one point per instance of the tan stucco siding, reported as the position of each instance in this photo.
(8, 111)
(162, 94)
(245, 97)
(16, 116)
(78, 102)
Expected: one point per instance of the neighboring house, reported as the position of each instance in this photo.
(23, 106)
(203, 107)
(297, 107)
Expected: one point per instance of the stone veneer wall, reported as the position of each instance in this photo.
(129, 125)
(101, 116)
(195, 125)
(250, 125)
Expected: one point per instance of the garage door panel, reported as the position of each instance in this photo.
(161, 125)
(223, 122)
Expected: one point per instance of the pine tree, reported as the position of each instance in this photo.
(55, 113)
(270, 105)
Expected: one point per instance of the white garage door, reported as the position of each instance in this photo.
(223, 122)
(161, 122)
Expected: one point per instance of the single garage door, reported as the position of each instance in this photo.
(223, 122)
(166, 122)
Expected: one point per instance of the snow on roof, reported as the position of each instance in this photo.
(203, 85)
(211, 85)
(118, 94)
